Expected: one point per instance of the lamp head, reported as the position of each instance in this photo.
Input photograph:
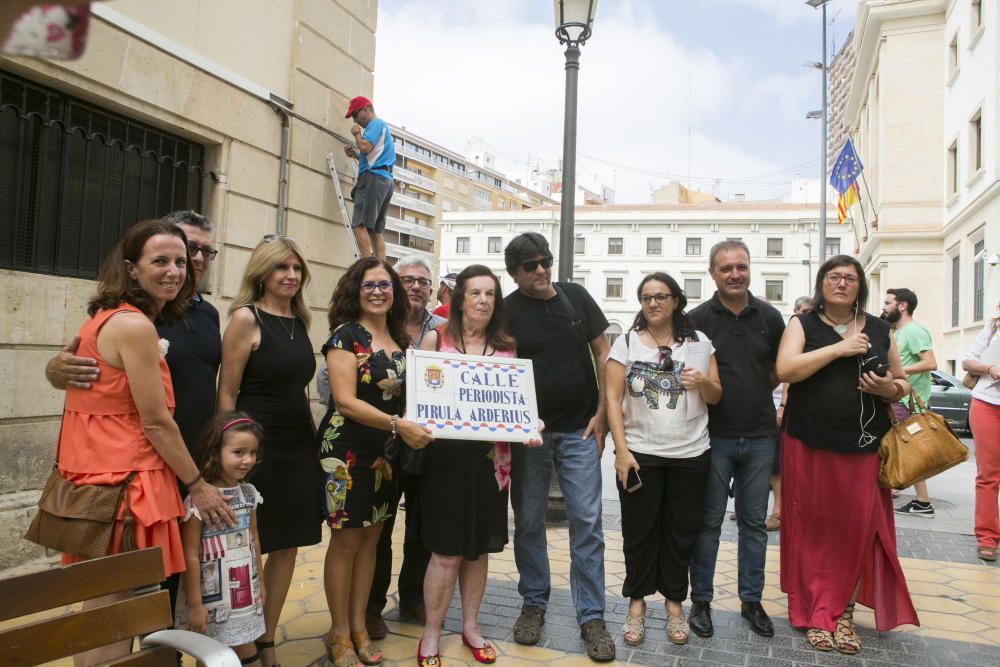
(574, 20)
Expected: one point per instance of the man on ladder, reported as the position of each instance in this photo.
(371, 194)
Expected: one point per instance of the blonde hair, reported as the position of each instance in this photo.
(266, 256)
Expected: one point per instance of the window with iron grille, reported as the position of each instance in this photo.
(75, 176)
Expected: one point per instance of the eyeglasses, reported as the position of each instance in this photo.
(425, 283)
(270, 238)
(835, 278)
(207, 251)
(532, 264)
(382, 286)
(661, 299)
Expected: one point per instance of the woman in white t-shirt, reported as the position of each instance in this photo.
(661, 376)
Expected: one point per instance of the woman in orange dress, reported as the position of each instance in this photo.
(123, 423)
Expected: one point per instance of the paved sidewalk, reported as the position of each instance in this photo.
(957, 598)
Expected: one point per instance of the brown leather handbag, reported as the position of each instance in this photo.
(919, 447)
(79, 519)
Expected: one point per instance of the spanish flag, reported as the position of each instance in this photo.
(846, 200)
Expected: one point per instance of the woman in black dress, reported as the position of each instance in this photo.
(267, 363)
(466, 481)
(366, 358)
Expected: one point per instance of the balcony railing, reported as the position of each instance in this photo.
(411, 228)
(414, 204)
(413, 178)
(399, 252)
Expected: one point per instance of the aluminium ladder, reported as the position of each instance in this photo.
(335, 175)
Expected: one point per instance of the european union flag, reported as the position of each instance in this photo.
(846, 169)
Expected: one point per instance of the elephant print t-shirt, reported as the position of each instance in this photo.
(655, 404)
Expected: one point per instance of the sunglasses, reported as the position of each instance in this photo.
(532, 264)
(270, 238)
(666, 358)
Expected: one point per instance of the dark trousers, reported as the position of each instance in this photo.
(660, 524)
(415, 556)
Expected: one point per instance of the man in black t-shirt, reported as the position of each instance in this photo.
(745, 332)
(560, 328)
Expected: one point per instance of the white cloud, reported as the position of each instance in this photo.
(480, 69)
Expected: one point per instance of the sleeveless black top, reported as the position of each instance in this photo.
(826, 410)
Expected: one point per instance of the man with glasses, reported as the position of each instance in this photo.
(371, 194)
(415, 275)
(745, 332)
(560, 328)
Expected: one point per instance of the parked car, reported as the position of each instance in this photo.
(950, 400)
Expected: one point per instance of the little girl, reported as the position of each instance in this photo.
(221, 594)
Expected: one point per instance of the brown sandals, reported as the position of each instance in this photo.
(367, 654)
(844, 637)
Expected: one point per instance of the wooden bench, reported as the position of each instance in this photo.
(68, 633)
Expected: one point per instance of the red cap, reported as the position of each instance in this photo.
(357, 103)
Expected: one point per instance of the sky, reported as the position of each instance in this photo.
(719, 85)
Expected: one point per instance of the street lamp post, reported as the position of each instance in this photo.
(574, 22)
(822, 184)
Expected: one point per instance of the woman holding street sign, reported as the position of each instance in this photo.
(661, 375)
(465, 480)
(357, 437)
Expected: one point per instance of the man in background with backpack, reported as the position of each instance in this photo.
(561, 329)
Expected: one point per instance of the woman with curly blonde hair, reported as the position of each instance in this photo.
(267, 363)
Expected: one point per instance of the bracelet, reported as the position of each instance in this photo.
(392, 425)
(194, 481)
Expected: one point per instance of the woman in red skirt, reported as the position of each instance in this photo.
(838, 537)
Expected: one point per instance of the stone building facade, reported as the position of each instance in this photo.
(174, 105)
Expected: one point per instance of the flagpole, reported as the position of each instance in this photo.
(874, 212)
(823, 158)
(863, 220)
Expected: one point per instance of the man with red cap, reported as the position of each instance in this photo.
(373, 190)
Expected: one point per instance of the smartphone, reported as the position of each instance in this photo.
(632, 482)
(874, 365)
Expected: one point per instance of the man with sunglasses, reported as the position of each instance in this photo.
(560, 328)
(371, 194)
(743, 431)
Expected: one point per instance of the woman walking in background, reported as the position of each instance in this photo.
(983, 361)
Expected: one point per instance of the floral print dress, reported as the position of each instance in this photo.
(359, 489)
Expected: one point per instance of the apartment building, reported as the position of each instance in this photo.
(922, 109)
(615, 246)
(432, 180)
